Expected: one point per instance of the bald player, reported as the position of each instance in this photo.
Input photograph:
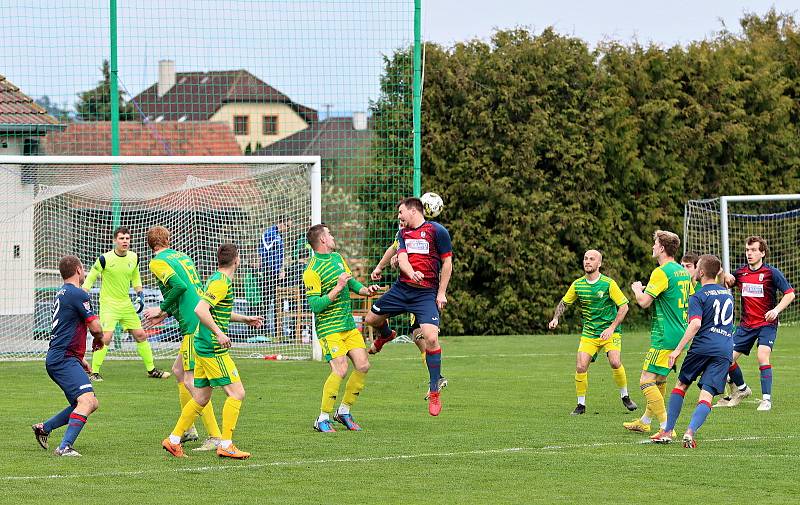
(603, 307)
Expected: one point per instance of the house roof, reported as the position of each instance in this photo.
(199, 95)
(165, 138)
(19, 112)
(334, 137)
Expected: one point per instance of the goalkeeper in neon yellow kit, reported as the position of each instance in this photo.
(119, 270)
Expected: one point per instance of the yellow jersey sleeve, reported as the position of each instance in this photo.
(571, 295)
(161, 270)
(92, 277)
(616, 294)
(216, 292)
(345, 266)
(312, 282)
(657, 284)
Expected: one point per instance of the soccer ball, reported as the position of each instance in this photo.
(433, 204)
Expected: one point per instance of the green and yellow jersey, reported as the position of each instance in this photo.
(598, 300)
(119, 274)
(670, 285)
(320, 277)
(164, 266)
(218, 293)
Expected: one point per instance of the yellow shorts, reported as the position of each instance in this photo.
(339, 344)
(593, 346)
(657, 361)
(127, 318)
(217, 371)
(187, 352)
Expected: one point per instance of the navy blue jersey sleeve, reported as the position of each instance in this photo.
(443, 243)
(780, 281)
(695, 307)
(83, 305)
(401, 242)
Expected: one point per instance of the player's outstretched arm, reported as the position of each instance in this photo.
(385, 260)
(252, 321)
(177, 289)
(203, 311)
(559, 311)
(91, 277)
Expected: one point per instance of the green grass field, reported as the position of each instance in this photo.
(505, 436)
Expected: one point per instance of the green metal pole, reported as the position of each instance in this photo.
(417, 97)
(115, 169)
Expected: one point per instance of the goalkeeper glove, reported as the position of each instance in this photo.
(139, 302)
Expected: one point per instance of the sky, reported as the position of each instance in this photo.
(326, 54)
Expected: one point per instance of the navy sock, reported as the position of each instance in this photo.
(766, 379)
(699, 416)
(735, 372)
(674, 408)
(76, 424)
(384, 330)
(434, 361)
(58, 420)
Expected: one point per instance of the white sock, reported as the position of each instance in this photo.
(645, 420)
(768, 397)
(323, 416)
(581, 400)
(174, 439)
(663, 425)
(623, 392)
(344, 409)
(225, 443)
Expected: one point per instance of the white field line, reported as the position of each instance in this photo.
(396, 457)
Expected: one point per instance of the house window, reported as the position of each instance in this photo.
(241, 125)
(270, 125)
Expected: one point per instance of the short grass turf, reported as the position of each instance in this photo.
(504, 436)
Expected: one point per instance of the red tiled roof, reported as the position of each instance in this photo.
(199, 95)
(166, 138)
(16, 108)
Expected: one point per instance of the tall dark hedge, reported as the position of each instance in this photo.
(543, 148)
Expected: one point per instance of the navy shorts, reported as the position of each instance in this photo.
(744, 338)
(712, 370)
(71, 378)
(402, 298)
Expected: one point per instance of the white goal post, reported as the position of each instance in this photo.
(58, 205)
(721, 226)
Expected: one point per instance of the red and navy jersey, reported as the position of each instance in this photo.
(72, 311)
(426, 246)
(759, 288)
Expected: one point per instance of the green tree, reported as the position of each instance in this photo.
(95, 104)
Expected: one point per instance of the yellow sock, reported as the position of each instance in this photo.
(210, 421)
(655, 401)
(620, 379)
(183, 394)
(329, 392)
(662, 386)
(97, 359)
(424, 361)
(581, 383)
(188, 416)
(354, 386)
(230, 414)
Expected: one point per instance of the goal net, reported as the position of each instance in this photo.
(721, 226)
(55, 206)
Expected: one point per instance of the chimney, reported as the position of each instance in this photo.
(359, 121)
(166, 76)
